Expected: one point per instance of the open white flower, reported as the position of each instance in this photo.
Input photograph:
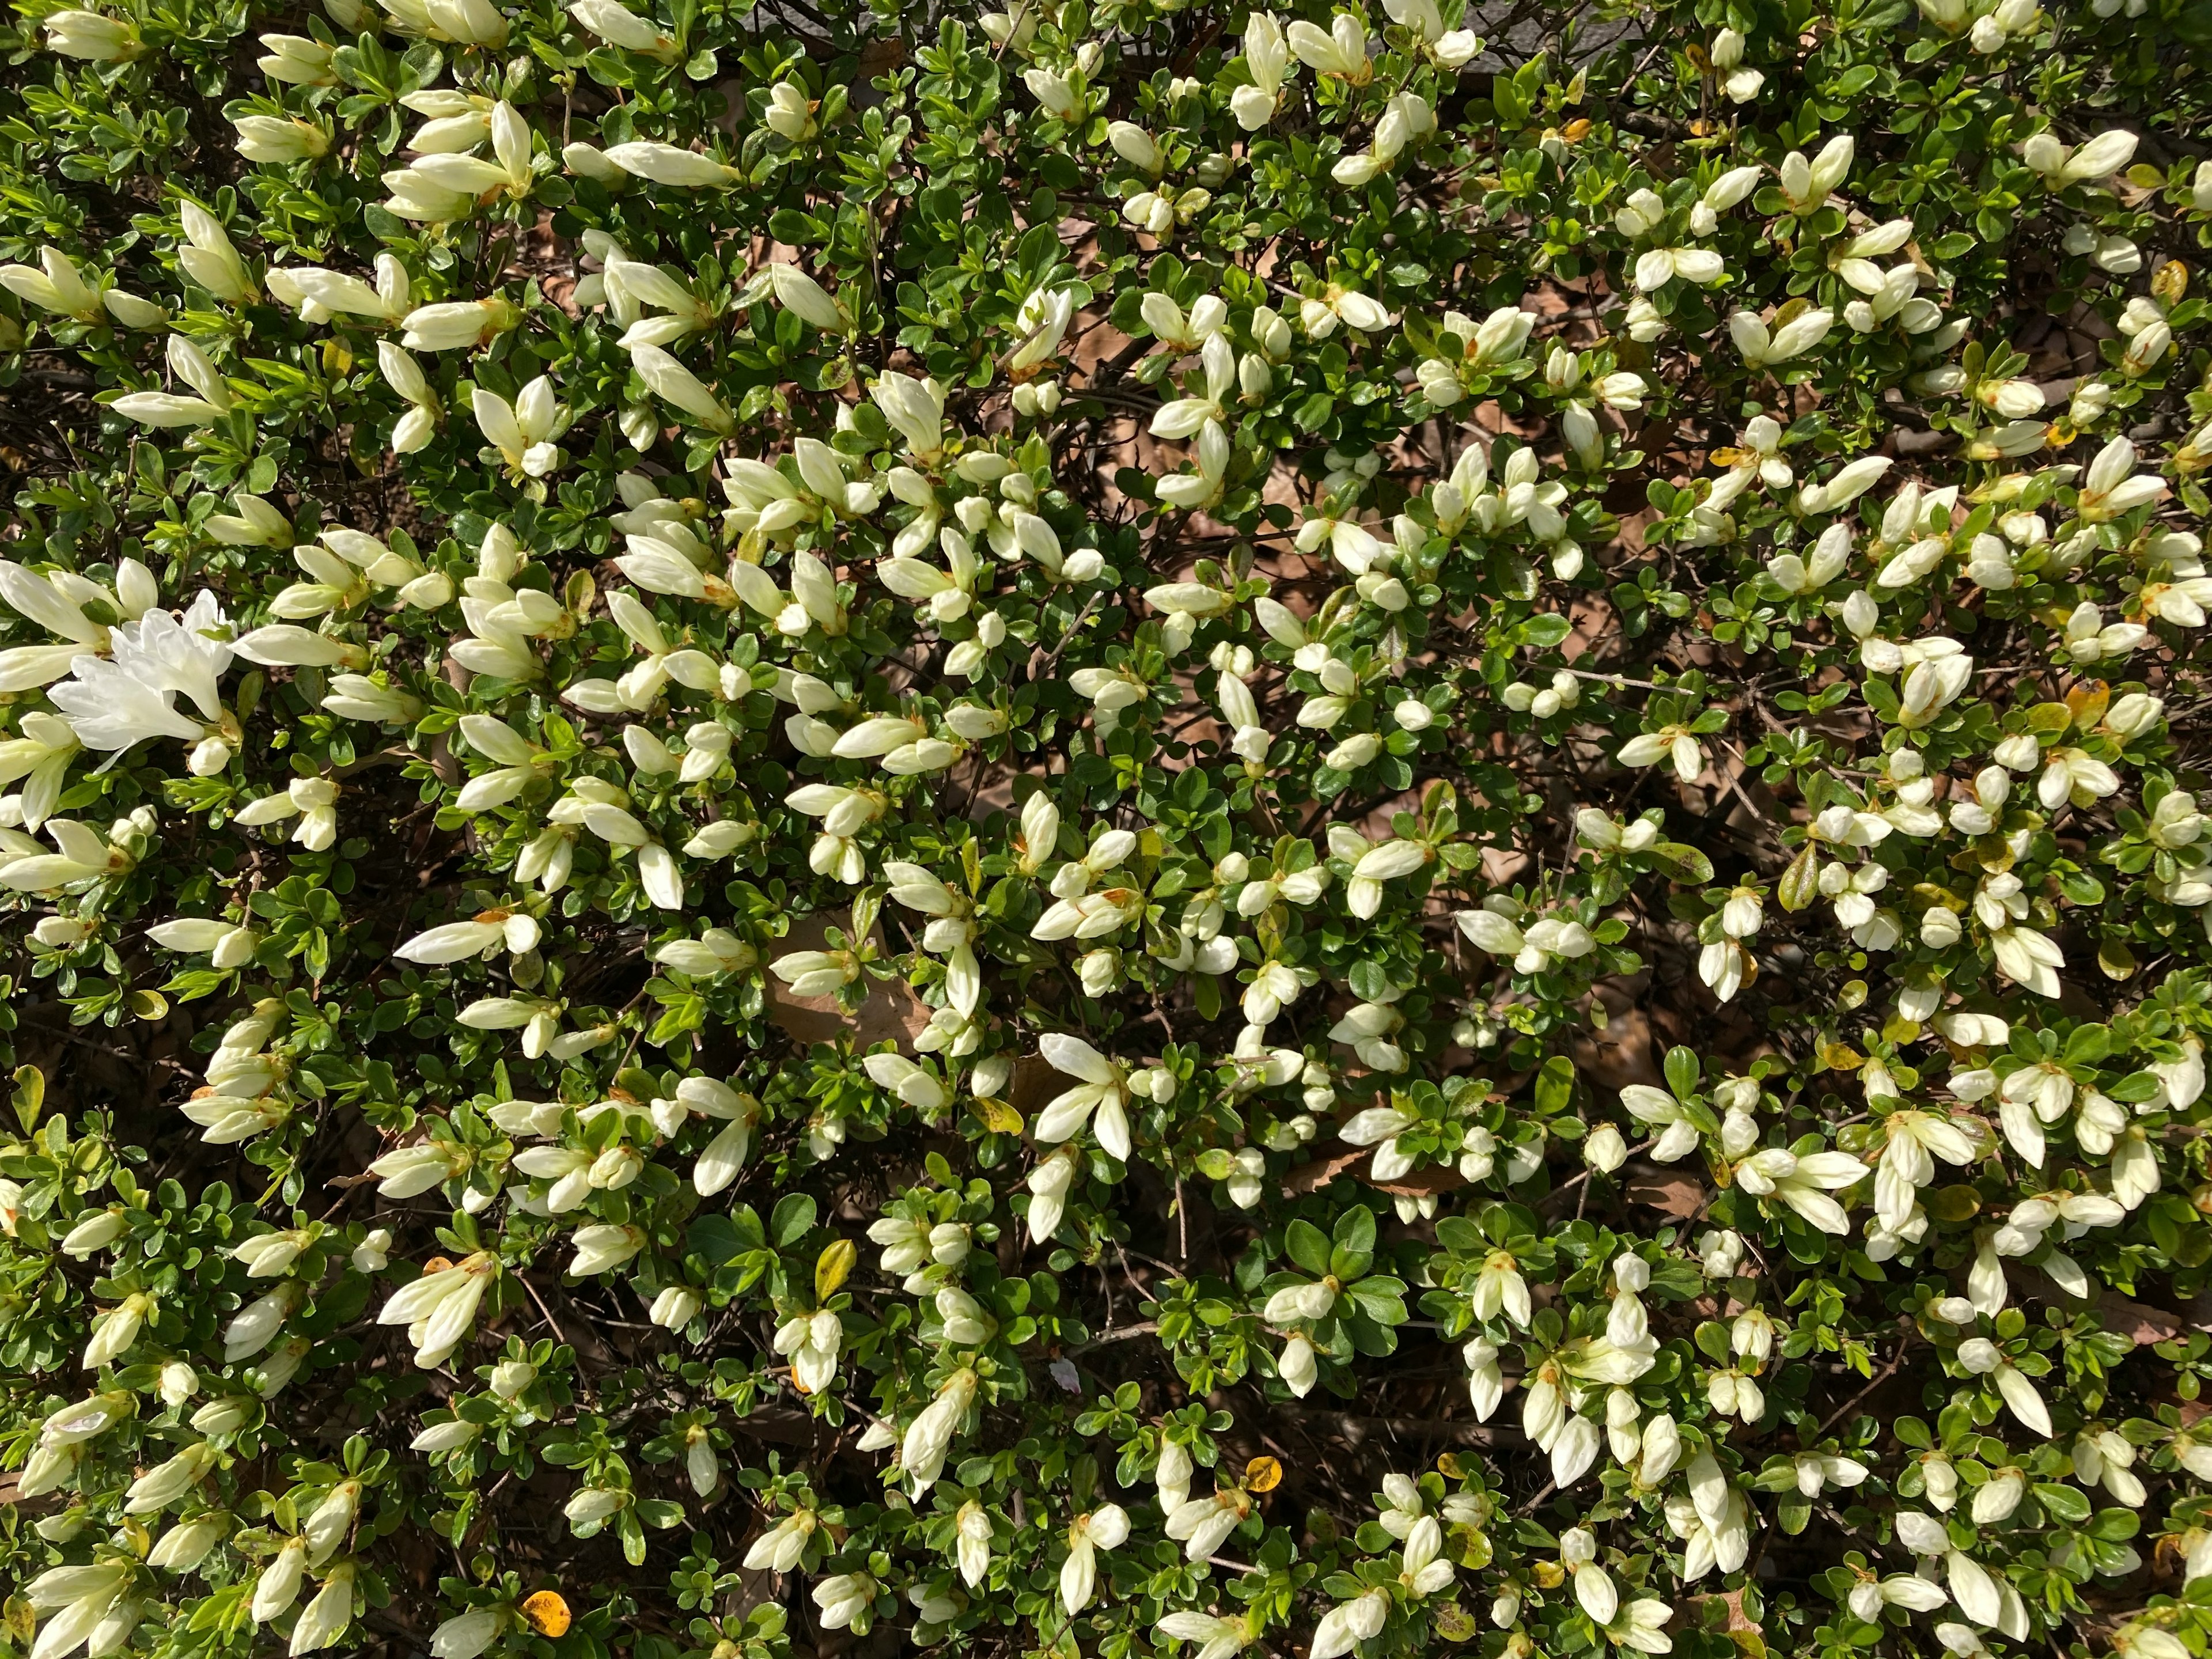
(812, 1342)
(1104, 1528)
(1348, 1624)
(929, 1436)
(1216, 1636)
(440, 1308)
(523, 432)
(1804, 1183)
(1099, 1098)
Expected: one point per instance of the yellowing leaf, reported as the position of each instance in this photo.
(30, 1095)
(1800, 882)
(832, 1267)
(1453, 1623)
(2086, 703)
(546, 1611)
(1262, 1474)
(1953, 1204)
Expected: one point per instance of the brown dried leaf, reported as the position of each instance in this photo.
(1672, 1191)
(1334, 1161)
(2139, 1323)
(892, 1012)
(1438, 1178)
(1336, 1158)
(1749, 1639)
(1034, 1084)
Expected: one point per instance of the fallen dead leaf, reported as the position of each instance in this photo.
(1622, 1052)
(1035, 1082)
(1672, 1191)
(1749, 1639)
(2139, 1324)
(1336, 1159)
(892, 1011)
(1311, 1177)
(1439, 1178)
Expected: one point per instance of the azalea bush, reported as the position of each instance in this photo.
(1124, 827)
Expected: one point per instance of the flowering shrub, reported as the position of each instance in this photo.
(1121, 828)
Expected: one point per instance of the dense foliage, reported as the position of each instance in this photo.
(1125, 827)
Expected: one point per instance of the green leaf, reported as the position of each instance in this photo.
(1684, 1072)
(1308, 1246)
(1555, 1086)
(1355, 1229)
(2068, 1504)
(792, 1218)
